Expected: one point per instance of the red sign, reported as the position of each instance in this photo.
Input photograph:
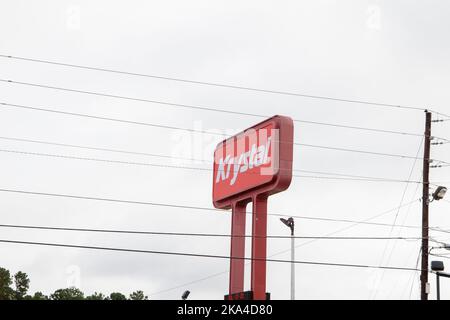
(249, 167)
(257, 160)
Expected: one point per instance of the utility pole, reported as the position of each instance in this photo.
(424, 286)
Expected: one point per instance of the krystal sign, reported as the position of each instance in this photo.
(249, 167)
(257, 160)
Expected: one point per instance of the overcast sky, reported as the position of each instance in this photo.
(392, 52)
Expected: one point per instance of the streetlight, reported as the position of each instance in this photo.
(290, 223)
(185, 295)
(439, 193)
(438, 267)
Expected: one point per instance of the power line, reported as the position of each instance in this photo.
(197, 207)
(140, 123)
(443, 115)
(99, 148)
(230, 86)
(355, 223)
(222, 135)
(297, 246)
(194, 107)
(198, 255)
(439, 229)
(439, 255)
(172, 157)
(415, 273)
(190, 234)
(101, 160)
(212, 209)
(169, 205)
(311, 146)
(166, 103)
(352, 176)
(440, 141)
(357, 151)
(360, 177)
(259, 89)
(395, 220)
(207, 132)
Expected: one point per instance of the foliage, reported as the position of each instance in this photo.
(117, 296)
(96, 296)
(138, 295)
(39, 296)
(71, 293)
(6, 293)
(22, 284)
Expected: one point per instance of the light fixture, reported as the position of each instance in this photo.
(289, 222)
(439, 193)
(185, 295)
(437, 265)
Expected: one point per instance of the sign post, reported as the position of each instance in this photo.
(249, 167)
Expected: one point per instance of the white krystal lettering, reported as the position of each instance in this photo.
(256, 157)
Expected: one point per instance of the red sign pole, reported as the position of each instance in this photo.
(237, 247)
(250, 167)
(259, 246)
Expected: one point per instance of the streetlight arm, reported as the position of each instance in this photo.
(443, 274)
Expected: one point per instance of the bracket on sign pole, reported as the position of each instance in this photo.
(248, 168)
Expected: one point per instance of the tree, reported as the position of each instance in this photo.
(6, 292)
(117, 296)
(138, 295)
(22, 284)
(39, 296)
(67, 294)
(96, 296)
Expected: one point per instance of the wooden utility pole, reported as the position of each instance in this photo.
(424, 286)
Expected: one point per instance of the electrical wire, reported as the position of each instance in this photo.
(199, 255)
(358, 151)
(303, 95)
(102, 160)
(222, 135)
(190, 234)
(415, 272)
(395, 221)
(201, 208)
(32, 108)
(166, 103)
(300, 144)
(216, 133)
(245, 88)
(179, 206)
(140, 123)
(171, 157)
(399, 280)
(439, 255)
(58, 144)
(355, 223)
